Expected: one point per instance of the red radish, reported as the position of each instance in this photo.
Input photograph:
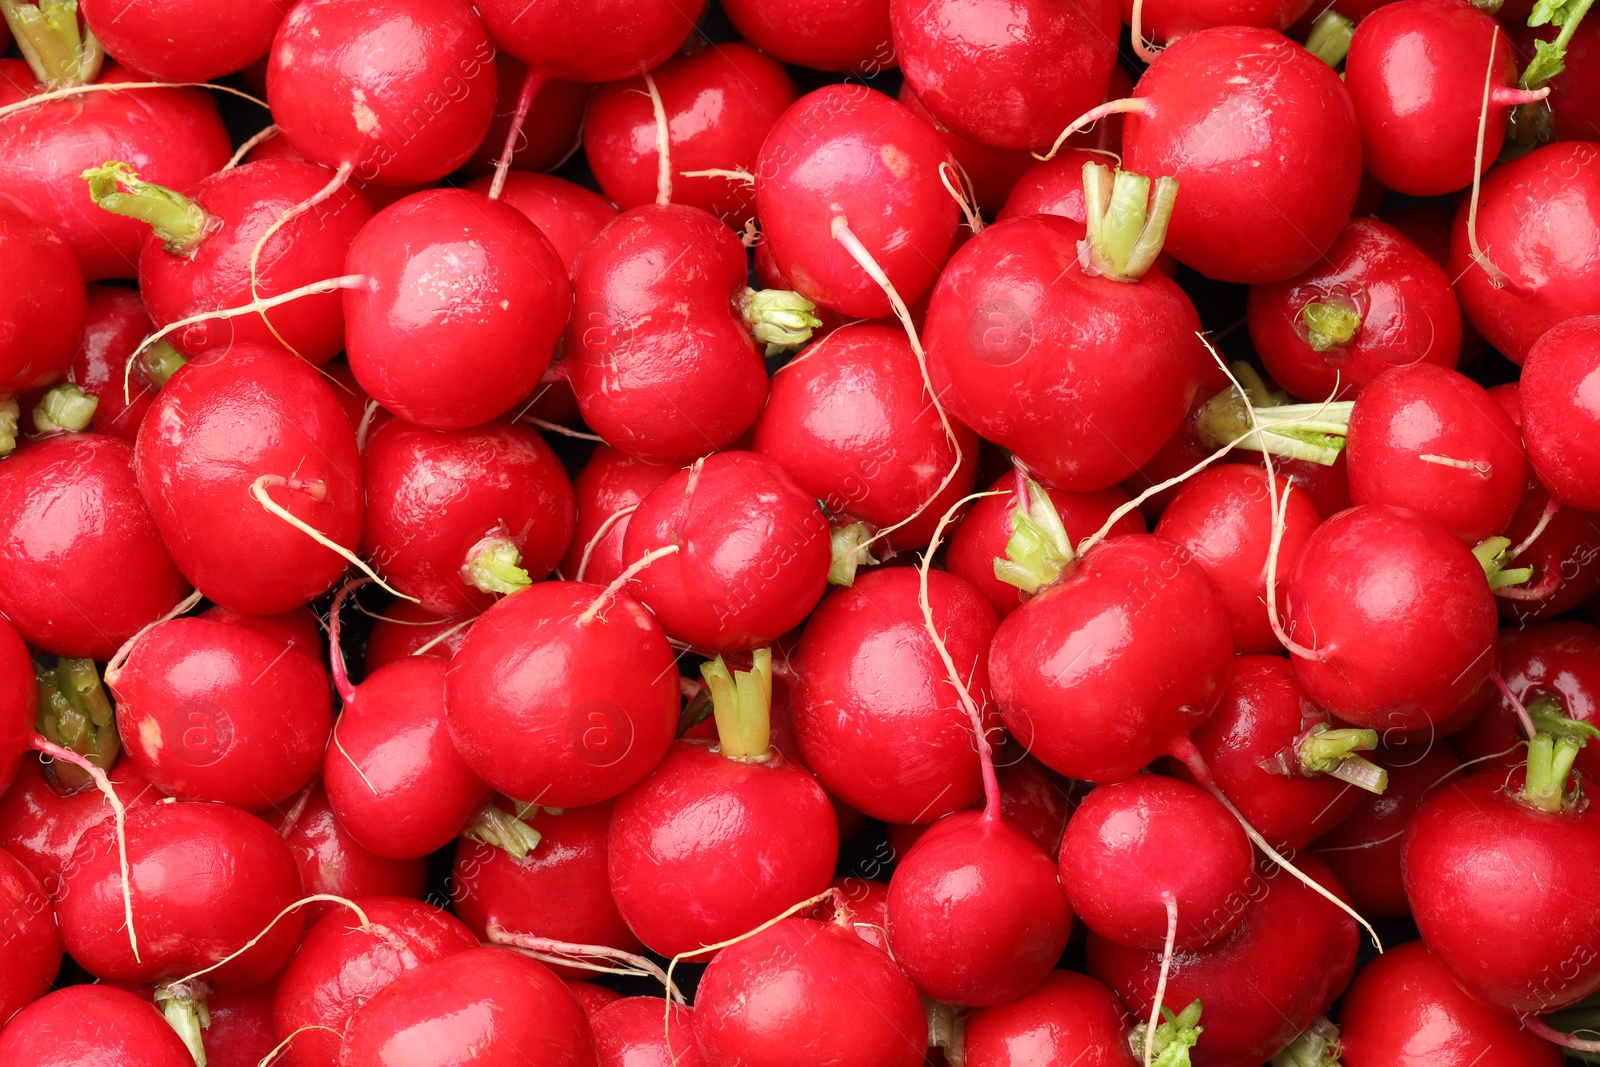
(342, 965)
(718, 105)
(1223, 518)
(1375, 301)
(298, 627)
(44, 303)
(1564, 556)
(114, 324)
(1327, 485)
(1405, 1010)
(241, 1033)
(1537, 267)
(592, 997)
(31, 950)
(1416, 75)
(1166, 20)
(1121, 870)
(332, 864)
(753, 559)
(173, 137)
(405, 629)
(1551, 668)
(184, 40)
(551, 133)
(463, 304)
(589, 43)
(559, 891)
(849, 152)
(1185, 448)
(1390, 621)
(735, 827)
(485, 1007)
(1069, 1018)
(19, 702)
(586, 682)
(836, 35)
(609, 489)
(1035, 798)
(1011, 88)
(1261, 984)
(397, 92)
(989, 172)
(91, 1026)
(1051, 187)
(868, 902)
(629, 1033)
(41, 823)
(1559, 415)
(1364, 849)
(82, 564)
(1429, 226)
(455, 517)
(875, 714)
(803, 992)
(566, 213)
(1572, 109)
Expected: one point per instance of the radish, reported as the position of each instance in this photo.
(566, 213)
(609, 489)
(1376, 301)
(552, 134)
(1530, 268)
(1011, 89)
(82, 564)
(455, 517)
(753, 559)
(1405, 1010)
(583, 678)
(45, 303)
(988, 172)
(735, 827)
(341, 966)
(230, 432)
(1068, 1018)
(405, 629)
(629, 1033)
(1560, 546)
(1222, 517)
(592, 997)
(837, 35)
(85, 1025)
(463, 303)
(41, 821)
(875, 715)
(1558, 416)
(198, 255)
(114, 323)
(173, 137)
(1261, 984)
(1162, 21)
(1118, 869)
(241, 1033)
(183, 40)
(716, 105)
(803, 992)
(332, 864)
(1551, 669)
(396, 92)
(1572, 114)
(1055, 187)
(31, 951)
(299, 628)
(848, 152)
(589, 43)
(487, 1007)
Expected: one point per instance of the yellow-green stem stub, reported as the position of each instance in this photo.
(10, 417)
(1329, 39)
(64, 407)
(59, 51)
(1038, 549)
(1550, 761)
(188, 1014)
(850, 552)
(75, 713)
(1330, 323)
(1549, 58)
(1125, 226)
(1317, 1046)
(176, 219)
(1329, 751)
(161, 362)
(495, 566)
(1311, 432)
(494, 825)
(1174, 1037)
(1491, 555)
(742, 704)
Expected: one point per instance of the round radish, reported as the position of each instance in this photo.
(184, 40)
(41, 823)
(566, 213)
(629, 1033)
(836, 35)
(298, 627)
(31, 951)
(1167, 20)
(332, 863)
(609, 489)
(589, 42)
(241, 1033)
(90, 1025)
(1068, 1018)
(404, 629)
(1559, 416)
(19, 702)
(553, 126)
(114, 323)
(989, 172)
(44, 303)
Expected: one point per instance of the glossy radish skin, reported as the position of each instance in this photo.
(1543, 664)
(437, 500)
(1067, 1018)
(1396, 309)
(836, 35)
(553, 129)
(875, 714)
(804, 992)
(1133, 844)
(1223, 518)
(405, 628)
(1501, 893)
(41, 827)
(242, 204)
(1281, 967)
(1399, 616)
(209, 711)
(82, 565)
(754, 552)
(600, 42)
(227, 419)
(719, 104)
(241, 1033)
(593, 704)
(1167, 20)
(402, 91)
(1574, 113)
(992, 171)
(206, 878)
(565, 212)
(19, 702)
(737, 841)
(1015, 89)
(1100, 712)
(592, 996)
(1051, 187)
(113, 325)
(464, 302)
(609, 482)
(299, 627)
(1559, 415)
(342, 964)
(485, 1007)
(1533, 214)
(32, 950)
(849, 151)
(1014, 315)
(172, 137)
(630, 1033)
(331, 861)
(184, 40)
(44, 303)
(1258, 206)
(91, 1026)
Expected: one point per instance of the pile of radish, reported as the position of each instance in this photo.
(749, 533)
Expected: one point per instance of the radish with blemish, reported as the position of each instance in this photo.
(91, 1025)
(184, 40)
(565, 212)
(609, 489)
(332, 863)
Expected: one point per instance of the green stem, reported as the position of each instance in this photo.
(176, 219)
(1312, 432)
(60, 53)
(850, 552)
(742, 704)
(65, 407)
(1330, 323)
(161, 362)
(1255, 387)
(495, 566)
(778, 318)
(1324, 750)
(10, 416)
(186, 1012)
(1329, 39)
(495, 826)
(1174, 1037)
(1491, 555)
(1550, 760)
(75, 713)
(1549, 57)
(1125, 227)
(1317, 1046)
(1038, 549)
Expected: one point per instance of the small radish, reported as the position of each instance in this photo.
(1163, 21)
(31, 951)
(803, 992)
(629, 1033)
(566, 213)
(1375, 301)
(91, 1025)
(463, 304)
(341, 965)
(1068, 1018)
(592, 997)
(1405, 1010)
(1559, 418)
(989, 172)
(114, 323)
(184, 40)
(1014, 88)
(849, 152)
(455, 517)
(1051, 187)
(404, 628)
(589, 43)
(1552, 669)
(735, 827)
(836, 35)
(241, 1033)
(609, 490)
(82, 564)
(41, 822)
(485, 1007)
(396, 92)
(1572, 109)
(45, 304)
(299, 628)
(582, 677)
(1561, 546)
(1120, 870)
(332, 864)
(753, 559)
(552, 130)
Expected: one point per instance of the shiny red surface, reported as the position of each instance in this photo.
(184, 40)
(630, 1033)
(1165, 20)
(32, 947)
(41, 827)
(114, 323)
(1547, 660)
(91, 1026)
(1560, 393)
(837, 35)
(405, 628)
(609, 482)
(331, 862)
(992, 171)
(241, 1033)
(44, 303)
(19, 702)
(565, 212)
(1068, 1018)
(551, 132)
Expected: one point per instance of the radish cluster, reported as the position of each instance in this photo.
(870, 533)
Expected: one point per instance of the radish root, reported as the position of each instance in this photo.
(114, 667)
(250, 143)
(622, 582)
(1497, 277)
(1148, 54)
(532, 82)
(963, 192)
(335, 185)
(663, 143)
(117, 87)
(599, 535)
(258, 490)
(1125, 106)
(282, 1046)
(583, 957)
(1166, 969)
